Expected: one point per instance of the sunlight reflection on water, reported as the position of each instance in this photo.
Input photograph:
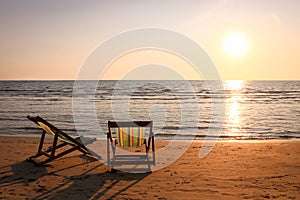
(233, 107)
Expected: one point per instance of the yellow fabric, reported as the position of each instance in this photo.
(46, 128)
(49, 131)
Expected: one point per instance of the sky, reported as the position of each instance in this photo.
(52, 40)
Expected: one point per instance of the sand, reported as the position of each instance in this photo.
(232, 170)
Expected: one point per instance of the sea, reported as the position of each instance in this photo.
(239, 110)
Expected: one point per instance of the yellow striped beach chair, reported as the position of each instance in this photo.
(62, 143)
(130, 134)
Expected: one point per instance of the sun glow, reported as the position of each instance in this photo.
(236, 44)
(234, 85)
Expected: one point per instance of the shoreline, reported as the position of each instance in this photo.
(232, 170)
(167, 139)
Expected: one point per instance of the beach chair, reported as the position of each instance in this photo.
(130, 134)
(62, 143)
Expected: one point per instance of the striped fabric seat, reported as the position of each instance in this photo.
(52, 132)
(130, 136)
(62, 143)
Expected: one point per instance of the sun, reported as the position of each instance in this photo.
(236, 44)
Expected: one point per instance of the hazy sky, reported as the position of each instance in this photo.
(51, 39)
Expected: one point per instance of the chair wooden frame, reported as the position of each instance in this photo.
(125, 159)
(60, 140)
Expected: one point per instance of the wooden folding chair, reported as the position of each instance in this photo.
(61, 140)
(130, 134)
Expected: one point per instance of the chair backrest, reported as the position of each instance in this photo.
(130, 133)
(51, 129)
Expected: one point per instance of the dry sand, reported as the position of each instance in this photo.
(233, 170)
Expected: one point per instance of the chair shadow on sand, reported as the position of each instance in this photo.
(23, 172)
(27, 172)
(92, 183)
(93, 186)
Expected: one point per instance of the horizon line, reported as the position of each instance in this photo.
(149, 80)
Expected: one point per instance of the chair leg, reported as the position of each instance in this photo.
(153, 150)
(114, 156)
(108, 151)
(54, 145)
(41, 142)
(147, 156)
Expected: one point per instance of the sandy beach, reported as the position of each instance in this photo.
(232, 170)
